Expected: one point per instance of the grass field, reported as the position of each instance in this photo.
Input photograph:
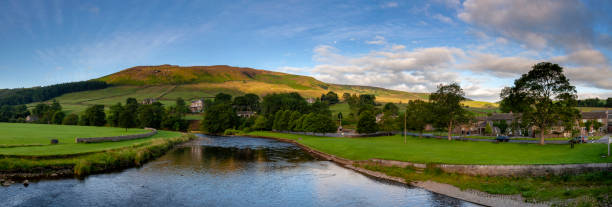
(21, 139)
(449, 152)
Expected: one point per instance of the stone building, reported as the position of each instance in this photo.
(602, 117)
(196, 106)
(246, 114)
(148, 101)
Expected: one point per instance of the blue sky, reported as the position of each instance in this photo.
(403, 45)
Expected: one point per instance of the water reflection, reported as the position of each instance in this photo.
(227, 171)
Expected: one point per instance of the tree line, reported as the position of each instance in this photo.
(19, 96)
(132, 114)
(595, 102)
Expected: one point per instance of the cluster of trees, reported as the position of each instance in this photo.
(330, 98)
(280, 112)
(16, 113)
(130, 115)
(154, 115)
(444, 110)
(37, 94)
(595, 102)
(48, 113)
(220, 113)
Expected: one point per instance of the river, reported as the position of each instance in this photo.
(226, 171)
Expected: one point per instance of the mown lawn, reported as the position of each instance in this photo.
(424, 150)
(15, 138)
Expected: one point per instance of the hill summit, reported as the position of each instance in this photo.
(177, 75)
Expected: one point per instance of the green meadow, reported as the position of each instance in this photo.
(35, 139)
(424, 150)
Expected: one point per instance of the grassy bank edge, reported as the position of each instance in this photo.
(586, 189)
(98, 162)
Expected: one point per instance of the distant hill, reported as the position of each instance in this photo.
(238, 80)
(166, 83)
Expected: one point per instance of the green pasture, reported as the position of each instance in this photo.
(425, 150)
(34, 139)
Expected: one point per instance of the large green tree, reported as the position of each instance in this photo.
(219, 117)
(114, 113)
(95, 115)
(367, 123)
(58, 117)
(447, 109)
(151, 115)
(418, 115)
(71, 119)
(542, 96)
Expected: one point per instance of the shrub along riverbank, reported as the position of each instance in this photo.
(590, 189)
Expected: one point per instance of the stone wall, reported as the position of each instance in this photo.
(501, 170)
(116, 138)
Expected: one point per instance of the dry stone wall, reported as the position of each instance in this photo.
(116, 138)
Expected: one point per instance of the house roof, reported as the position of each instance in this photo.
(502, 116)
(594, 115)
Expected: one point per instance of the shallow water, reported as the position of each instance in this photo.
(226, 171)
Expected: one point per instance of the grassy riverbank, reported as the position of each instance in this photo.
(118, 158)
(26, 149)
(589, 189)
(424, 150)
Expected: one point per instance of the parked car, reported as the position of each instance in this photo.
(579, 139)
(502, 138)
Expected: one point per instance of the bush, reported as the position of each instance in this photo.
(229, 132)
(367, 123)
(71, 119)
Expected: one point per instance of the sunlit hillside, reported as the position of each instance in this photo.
(166, 83)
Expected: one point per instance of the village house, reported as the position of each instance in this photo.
(197, 106)
(603, 117)
(245, 114)
(31, 118)
(311, 100)
(148, 101)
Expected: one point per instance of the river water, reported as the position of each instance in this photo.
(226, 171)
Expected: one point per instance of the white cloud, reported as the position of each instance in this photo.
(586, 68)
(378, 40)
(390, 5)
(443, 18)
(449, 3)
(418, 70)
(537, 24)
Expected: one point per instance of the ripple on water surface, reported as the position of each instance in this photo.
(227, 171)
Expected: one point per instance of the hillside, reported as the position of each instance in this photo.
(168, 82)
(197, 81)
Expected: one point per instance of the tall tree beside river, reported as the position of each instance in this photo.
(543, 96)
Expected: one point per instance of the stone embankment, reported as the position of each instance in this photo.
(116, 138)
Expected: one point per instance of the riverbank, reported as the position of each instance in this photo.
(586, 188)
(58, 166)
